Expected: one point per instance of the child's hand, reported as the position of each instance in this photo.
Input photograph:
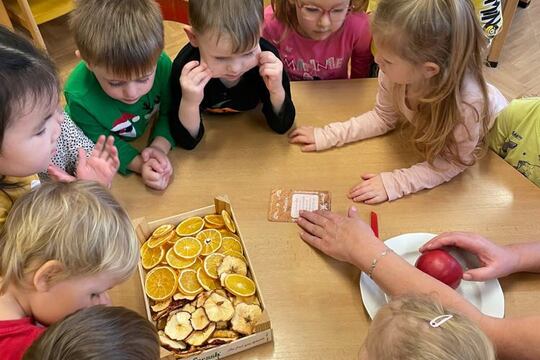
(157, 169)
(101, 166)
(305, 136)
(153, 177)
(271, 70)
(193, 79)
(370, 191)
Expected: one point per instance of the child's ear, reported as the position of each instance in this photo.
(44, 276)
(191, 36)
(78, 54)
(430, 69)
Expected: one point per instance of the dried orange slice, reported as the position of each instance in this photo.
(188, 247)
(214, 221)
(160, 283)
(239, 285)
(162, 230)
(229, 223)
(197, 264)
(210, 240)
(188, 282)
(211, 264)
(178, 262)
(235, 254)
(230, 243)
(227, 233)
(190, 226)
(206, 281)
(150, 257)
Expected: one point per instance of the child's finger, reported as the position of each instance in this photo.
(368, 176)
(375, 200)
(266, 57)
(188, 67)
(299, 139)
(58, 174)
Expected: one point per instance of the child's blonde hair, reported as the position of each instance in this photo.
(402, 330)
(241, 20)
(78, 224)
(98, 332)
(285, 11)
(124, 36)
(447, 33)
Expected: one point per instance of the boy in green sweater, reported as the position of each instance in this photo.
(516, 136)
(121, 85)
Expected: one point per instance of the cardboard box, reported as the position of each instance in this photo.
(263, 330)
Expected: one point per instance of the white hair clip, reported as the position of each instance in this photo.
(439, 320)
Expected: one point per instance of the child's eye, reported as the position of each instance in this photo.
(338, 11)
(41, 132)
(221, 59)
(115, 84)
(312, 9)
(249, 53)
(143, 80)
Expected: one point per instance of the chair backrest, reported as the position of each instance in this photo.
(174, 10)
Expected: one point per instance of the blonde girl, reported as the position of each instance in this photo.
(63, 246)
(317, 39)
(36, 136)
(430, 54)
(419, 328)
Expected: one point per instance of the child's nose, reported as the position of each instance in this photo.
(324, 20)
(130, 91)
(234, 67)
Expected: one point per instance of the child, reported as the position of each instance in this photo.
(489, 13)
(95, 333)
(34, 131)
(62, 247)
(227, 68)
(417, 328)
(431, 56)
(122, 82)
(317, 38)
(516, 136)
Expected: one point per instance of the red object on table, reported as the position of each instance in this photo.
(375, 223)
(175, 10)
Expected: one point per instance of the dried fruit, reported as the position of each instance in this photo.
(190, 226)
(199, 320)
(198, 338)
(179, 326)
(161, 305)
(178, 262)
(166, 341)
(245, 318)
(214, 221)
(230, 243)
(239, 285)
(211, 264)
(206, 281)
(188, 247)
(151, 257)
(229, 223)
(188, 282)
(160, 283)
(210, 240)
(232, 265)
(218, 308)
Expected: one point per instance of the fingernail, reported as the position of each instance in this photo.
(467, 277)
(353, 208)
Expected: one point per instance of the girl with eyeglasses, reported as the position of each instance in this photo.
(317, 39)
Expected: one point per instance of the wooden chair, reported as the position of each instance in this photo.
(509, 10)
(175, 10)
(4, 17)
(31, 13)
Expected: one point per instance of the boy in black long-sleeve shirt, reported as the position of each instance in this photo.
(227, 68)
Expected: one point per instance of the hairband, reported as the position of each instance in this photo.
(439, 320)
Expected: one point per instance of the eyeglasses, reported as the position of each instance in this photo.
(314, 13)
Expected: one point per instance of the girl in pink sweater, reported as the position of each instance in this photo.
(317, 39)
(430, 54)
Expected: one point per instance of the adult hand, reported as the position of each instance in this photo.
(497, 261)
(341, 237)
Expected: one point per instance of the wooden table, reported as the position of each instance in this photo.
(314, 301)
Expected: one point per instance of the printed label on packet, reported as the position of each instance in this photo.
(285, 205)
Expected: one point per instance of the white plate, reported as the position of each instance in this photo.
(487, 296)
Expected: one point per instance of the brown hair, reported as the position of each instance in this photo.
(95, 333)
(285, 11)
(447, 33)
(239, 19)
(124, 36)
(79, 224)
(401, 330)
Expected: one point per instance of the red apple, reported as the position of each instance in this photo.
(442, 266)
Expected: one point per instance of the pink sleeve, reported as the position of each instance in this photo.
(378, 121)
(401, 182)
(361, 58)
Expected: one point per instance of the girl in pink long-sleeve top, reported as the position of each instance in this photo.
(430, 54)
(317, 39)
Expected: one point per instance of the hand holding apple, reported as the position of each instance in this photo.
(442, 266)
